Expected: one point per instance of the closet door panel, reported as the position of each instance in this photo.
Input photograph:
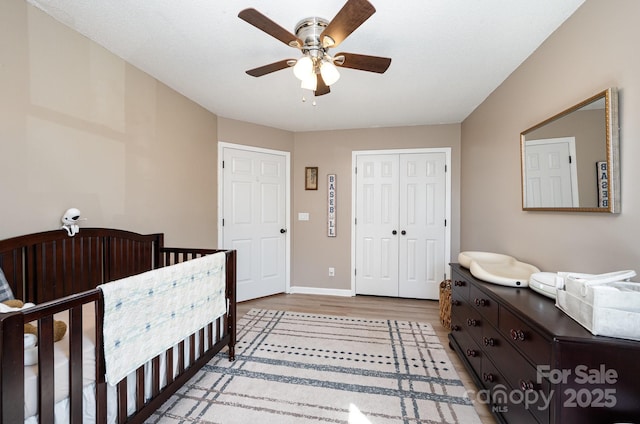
(421, 222)
(376, 220)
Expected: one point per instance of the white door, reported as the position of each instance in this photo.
(552, 176)
(422, 224)
(377, 225)
(400, 228)
(254, 219)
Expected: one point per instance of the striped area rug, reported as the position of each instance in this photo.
(302, 368)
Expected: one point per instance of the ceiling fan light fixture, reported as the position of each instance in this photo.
(314, 36)
(310, 82)
(303, 68)
(329, 72)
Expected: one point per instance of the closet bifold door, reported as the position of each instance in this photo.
(400, 224)
(421, 256)
(377, 232)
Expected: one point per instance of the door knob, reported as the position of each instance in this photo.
(394, 232)
(403, 232)
(282, 231)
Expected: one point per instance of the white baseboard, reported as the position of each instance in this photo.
(321, 291)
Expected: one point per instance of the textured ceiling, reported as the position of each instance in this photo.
(448, 55)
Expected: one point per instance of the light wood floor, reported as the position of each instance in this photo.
(370, 307)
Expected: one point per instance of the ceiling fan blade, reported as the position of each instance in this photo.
(362, 62)
(350, 17)
(272, 67)
(265, 24)
(322, 88)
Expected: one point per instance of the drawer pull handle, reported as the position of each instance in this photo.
(481, 302)
(472, 322)
(458, 283)
(472, 353)
(526, 385)
(455, 303)
(455, 328)
(488, 377)
(517, 334)
(490, 341)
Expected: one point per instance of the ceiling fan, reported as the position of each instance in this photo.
(314, 37)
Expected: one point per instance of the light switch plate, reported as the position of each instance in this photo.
(303, 216)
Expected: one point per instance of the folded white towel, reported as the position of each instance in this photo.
(31, 356)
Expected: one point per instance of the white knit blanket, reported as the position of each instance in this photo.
(148, 313)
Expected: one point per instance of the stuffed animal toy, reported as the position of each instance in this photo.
(31, 331)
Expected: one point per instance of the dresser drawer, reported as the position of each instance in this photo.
(460, 286)
(502, 399)
(470, 350)
(466, 318)
(527, 340)
(484, 304)
(519, 373)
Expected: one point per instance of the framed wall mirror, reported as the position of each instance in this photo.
(570, 162)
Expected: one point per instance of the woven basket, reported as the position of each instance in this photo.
(445, 304)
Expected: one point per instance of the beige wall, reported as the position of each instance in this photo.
(81, 128)
(595, 49)
(331, 152)
(245, 133)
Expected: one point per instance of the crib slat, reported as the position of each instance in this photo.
(192, 349)
(46, 376)
(202, 342)
(218, 324)
(140, 388)
(155, 376)
(122, 401)
(75, 363)
(181, 357)
(11, 376)
(169, 369)
(101, 385)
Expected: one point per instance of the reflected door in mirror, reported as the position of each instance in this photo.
(551, 173)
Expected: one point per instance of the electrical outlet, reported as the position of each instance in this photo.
(332, 272)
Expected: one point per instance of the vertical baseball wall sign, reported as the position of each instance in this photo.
(603, 184)
(331, 205)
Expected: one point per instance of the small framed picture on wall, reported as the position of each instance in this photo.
(311, 178)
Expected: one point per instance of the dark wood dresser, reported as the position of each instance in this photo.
(534, 364)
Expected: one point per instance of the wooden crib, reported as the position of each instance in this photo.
(60, 275)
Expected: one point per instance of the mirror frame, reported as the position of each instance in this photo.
(610, 96)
